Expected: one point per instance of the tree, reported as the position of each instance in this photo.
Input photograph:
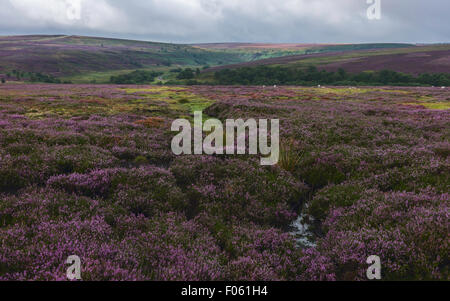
(135, 77)
(342, 74)
(186, 74)
(312, 69)
(386, 76)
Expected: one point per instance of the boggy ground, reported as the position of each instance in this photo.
(88, 171)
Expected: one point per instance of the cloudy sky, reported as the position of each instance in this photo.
(189, 21)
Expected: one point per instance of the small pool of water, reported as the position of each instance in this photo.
(300, 230)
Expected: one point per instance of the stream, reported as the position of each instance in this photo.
(300, 230)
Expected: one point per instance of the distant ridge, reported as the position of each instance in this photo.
(411, 59)
(66, 56)
(61, 55)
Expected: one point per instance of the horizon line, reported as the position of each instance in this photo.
(218, 42)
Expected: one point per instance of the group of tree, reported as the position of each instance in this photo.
(17, 74)
(35, 77)
(188, 73)
(44, 78)
(266, 75)
(135, 77)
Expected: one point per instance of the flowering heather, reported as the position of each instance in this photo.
(88, 171)
(409, 231)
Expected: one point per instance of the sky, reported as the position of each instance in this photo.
(209, 21)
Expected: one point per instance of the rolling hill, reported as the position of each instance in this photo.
(258, 51)
(411, 60)
(81, 59)
(73, 55)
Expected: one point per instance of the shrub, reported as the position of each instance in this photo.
(290, 158)
(333, 196)
(407, 230)
(237, 189)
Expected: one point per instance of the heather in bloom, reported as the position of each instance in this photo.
(234, 189)
(409, 231)
(88, 171)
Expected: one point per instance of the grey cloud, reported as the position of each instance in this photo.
(188, 21)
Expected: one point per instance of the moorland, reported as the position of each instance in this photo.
(86, 167)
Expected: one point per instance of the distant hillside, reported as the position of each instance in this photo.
(77, 59)
(412, 60)
(70, 55)
(308, 48)
(258, 51)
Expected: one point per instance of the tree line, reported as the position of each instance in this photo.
(35, 77)
(266, 75)
(135, 77)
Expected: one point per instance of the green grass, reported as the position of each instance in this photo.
(104, 77)
(432, 106)
(178, 99)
